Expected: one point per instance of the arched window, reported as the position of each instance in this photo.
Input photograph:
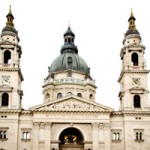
(5, 99)
(69, 93)
(137, 135)
(69, 59)
(137, 103)
(79, 95)
(91, 96)
(47, 97)
(134, 59)
(7, 56)
(140, 135)
(59, 95)
(28, 135)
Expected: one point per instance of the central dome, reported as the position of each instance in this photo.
(69, 58)
(68, 61)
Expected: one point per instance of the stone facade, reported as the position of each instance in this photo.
(69, 117)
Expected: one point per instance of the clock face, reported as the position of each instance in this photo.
(5, 79)
(136, 81)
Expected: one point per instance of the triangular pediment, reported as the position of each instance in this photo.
(72, 103)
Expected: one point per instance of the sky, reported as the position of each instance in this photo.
(99, 26)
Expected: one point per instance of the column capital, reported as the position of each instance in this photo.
(36, 125)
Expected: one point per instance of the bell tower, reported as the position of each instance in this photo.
(10, 72)
(133, 77)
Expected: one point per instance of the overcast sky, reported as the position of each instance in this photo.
(99, 26)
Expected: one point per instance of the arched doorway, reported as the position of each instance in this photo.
(71, 139)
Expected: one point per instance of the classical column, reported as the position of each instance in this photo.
(47, 135)
(95, 136)
(35, 135)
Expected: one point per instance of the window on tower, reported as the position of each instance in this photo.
(134, 59)
(7, 56)
(47, 97)
(59, 95)
(91, 96)
(3, 133)
(26, 134)
(79, 95)
(116, 135)
(139, 135)
(137, 103)
(5, 99)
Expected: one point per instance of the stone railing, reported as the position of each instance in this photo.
(69, 80)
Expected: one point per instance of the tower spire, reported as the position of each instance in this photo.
(132, 27)
(9, 23)
(10, 18)
(131, 21)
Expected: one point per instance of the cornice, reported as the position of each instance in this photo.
(117, 113)
(72, 83)
(139, 113)
(71, 111)
(132, 71)
(130, 113)
(26, 112)
(9, 69)
(10, 111)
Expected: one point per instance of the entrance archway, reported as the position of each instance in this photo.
(71, 139)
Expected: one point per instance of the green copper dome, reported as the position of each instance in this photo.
(69, 61)
(69, 58)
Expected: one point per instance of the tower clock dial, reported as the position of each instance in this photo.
(5, 79)
(136, 81)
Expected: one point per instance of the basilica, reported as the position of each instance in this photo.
(69, 117)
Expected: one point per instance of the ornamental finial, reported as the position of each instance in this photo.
(131, 13)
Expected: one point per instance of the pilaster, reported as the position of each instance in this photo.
(101, 136)
(95, 136)
(107, 136)
(47, 135)
(36, 130)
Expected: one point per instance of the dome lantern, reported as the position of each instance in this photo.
(69, 58)
(69, 37)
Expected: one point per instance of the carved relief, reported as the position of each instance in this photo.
(42, 125)
(101, 125)
(69, 89)
(59, 90)
(36, 125)
(48, 125)
(79, 90)
(95, 125)
(107, 125)
(71, 105)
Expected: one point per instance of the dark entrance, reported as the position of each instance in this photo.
(71, 139)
